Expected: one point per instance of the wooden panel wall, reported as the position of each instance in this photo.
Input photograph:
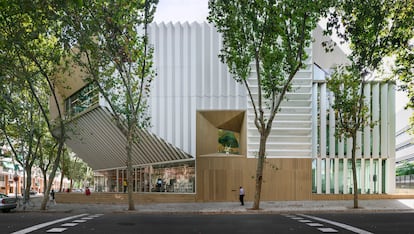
(219, 178)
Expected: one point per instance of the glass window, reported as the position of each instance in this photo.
(171, 177)
(176, 178)
(82, 100)
(314, 162)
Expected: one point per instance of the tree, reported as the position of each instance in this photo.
(273, 36)
(405, 169)
(78, 172)
(351, 112)
(228, 140)
(47, 155)
(30, 49)
(110, 44)
(404, 68)
(22, 126)
(374, 29)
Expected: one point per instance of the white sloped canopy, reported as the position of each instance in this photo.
(97, 140)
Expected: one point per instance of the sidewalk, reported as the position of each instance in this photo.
(406, 205)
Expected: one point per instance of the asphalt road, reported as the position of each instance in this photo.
(125, 222)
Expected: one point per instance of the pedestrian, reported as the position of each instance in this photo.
(52, 196)
(241, 193)
(87, 191)
(125, 186)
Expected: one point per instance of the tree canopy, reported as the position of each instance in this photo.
(109, 42)
(375, 30)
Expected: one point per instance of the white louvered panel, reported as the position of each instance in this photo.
(186, 87)
(177, 83)
(291, 134)
(332, 130)
(100, 143)
(322, 113)
(314, 119)
(375, 119)
(170, 81)
(367, 128)
(390, 183)
(384, 121)
(190, 78)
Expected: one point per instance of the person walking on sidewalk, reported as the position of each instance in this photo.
(52, 197)
(241, 193)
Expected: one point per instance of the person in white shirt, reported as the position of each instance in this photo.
(241, 192)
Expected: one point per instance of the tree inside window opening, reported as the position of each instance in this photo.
(228, 142)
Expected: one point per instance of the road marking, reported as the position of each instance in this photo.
(304, 221)
(341, 225)
(326, 230)
(79, 221)
(315, 224)
(57, 230)
(69, 224)
(42, 225)
(96, 215)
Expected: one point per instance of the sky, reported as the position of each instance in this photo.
(197, 10)
(181, 11)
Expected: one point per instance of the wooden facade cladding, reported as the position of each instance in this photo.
(219, 178)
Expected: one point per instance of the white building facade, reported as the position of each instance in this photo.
(194, 97)
(191, 79)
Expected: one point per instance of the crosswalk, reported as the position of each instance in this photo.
(64, 226)
(320, 224)
(312, 223)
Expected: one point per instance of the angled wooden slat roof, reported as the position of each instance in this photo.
(95, 138)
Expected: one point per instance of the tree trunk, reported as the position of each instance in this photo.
(131, 205)
(61, 182)
(259, 171)
(28, 183)
(44, 181)
(62, 175)
(53, 173)
(354, 172)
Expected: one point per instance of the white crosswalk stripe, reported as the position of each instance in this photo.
(79, 221)
(315, 224)
(312, 224)
(73, 223)
(69, 224)
(327, 230)
(56, 230)
(337, 224)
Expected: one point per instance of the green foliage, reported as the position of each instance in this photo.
(266, 39)
(21, 123)
(109, 42)
(228, 139)
(374, 29)
(31, 52)
(264, 47)
(351, 112)
(111, 45)
(271, 33)
(405, 169)
(378, 29)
